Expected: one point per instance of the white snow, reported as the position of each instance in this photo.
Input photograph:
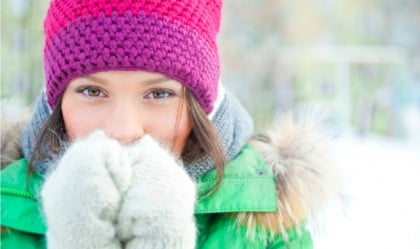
(382, 180)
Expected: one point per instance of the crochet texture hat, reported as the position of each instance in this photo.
(174, 37)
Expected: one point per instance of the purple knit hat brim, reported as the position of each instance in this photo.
(132, 43)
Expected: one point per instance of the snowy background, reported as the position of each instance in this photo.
(382, 183)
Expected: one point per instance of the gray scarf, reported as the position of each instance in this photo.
(231, 120)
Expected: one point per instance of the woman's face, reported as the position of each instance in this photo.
(127, 105)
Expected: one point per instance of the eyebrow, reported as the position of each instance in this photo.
(148, 82)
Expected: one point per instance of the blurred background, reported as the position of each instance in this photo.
(356, 60)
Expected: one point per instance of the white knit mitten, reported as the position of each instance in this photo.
(158, 209)
(82, 196)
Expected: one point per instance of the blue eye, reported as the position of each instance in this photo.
(159, 94)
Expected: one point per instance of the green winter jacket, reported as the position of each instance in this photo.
(248, 186)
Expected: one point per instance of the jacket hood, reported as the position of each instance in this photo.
(307, 178)
(10, 140)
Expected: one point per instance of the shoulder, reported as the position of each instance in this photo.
(223, 231)
(20, 206)
(15, 176)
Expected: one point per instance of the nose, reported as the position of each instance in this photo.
(124, 123)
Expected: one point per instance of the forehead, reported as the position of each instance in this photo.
(126, 75)
(133, 78)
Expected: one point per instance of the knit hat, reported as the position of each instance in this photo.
(176, 38)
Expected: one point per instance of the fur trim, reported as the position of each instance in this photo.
(10, 140)
(306, 179)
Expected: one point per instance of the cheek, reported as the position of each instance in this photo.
(77, 120)
(165, 130)
(184, 131)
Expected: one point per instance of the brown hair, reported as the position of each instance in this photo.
(202, 141)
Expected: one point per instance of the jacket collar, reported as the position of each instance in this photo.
(248, 186)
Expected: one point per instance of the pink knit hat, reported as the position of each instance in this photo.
(174, 37)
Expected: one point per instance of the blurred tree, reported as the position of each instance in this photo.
(21, 46)
(262, 43)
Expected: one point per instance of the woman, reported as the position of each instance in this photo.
(134, 144)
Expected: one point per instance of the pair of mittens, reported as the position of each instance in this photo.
(106, 195)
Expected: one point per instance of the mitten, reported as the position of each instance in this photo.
(158, 209)
(82, 196)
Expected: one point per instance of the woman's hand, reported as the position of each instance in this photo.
(82, 196)
(158, 209)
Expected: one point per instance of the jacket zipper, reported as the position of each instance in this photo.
(16, 192)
